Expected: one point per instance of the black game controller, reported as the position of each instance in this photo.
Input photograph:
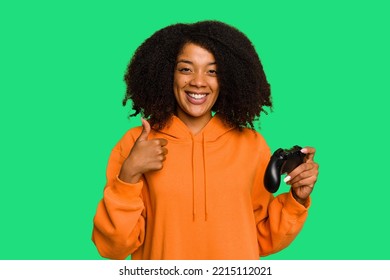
(282, 161)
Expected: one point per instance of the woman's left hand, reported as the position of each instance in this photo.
(303, 178)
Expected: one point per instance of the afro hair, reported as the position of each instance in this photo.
(244, 90)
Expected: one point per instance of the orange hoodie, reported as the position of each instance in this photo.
(208, 201)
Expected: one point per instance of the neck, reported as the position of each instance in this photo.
(194, 124)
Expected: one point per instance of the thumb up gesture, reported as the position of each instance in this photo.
(146, 155)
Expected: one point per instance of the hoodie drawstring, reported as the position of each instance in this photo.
(205, 178)
(178, 130)
(193, 178)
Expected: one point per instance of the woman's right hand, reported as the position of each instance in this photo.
(146, 155)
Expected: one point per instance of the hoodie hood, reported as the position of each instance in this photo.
(177, 130)
(214, 129)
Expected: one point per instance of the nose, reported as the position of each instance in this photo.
(198, 80)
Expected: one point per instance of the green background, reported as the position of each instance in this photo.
(61, 89)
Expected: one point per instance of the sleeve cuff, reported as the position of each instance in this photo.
(139, 183)
(307, 203)
(293, 207)
(124, 191)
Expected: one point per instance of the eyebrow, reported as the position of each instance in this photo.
(190, 62)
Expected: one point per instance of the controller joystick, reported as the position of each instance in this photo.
(282, 161)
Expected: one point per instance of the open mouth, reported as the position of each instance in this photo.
(196, 98)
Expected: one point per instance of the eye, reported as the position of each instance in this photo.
(184, 70)
(212, 72)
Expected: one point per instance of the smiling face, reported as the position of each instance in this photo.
(195, 84)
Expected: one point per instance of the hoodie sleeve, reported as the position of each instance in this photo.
(119, 222)
(279, 219)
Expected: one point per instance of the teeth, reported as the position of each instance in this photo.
(196, 95)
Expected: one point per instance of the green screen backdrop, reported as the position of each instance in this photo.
(61, 87)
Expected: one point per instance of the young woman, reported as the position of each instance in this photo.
(188, 183)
